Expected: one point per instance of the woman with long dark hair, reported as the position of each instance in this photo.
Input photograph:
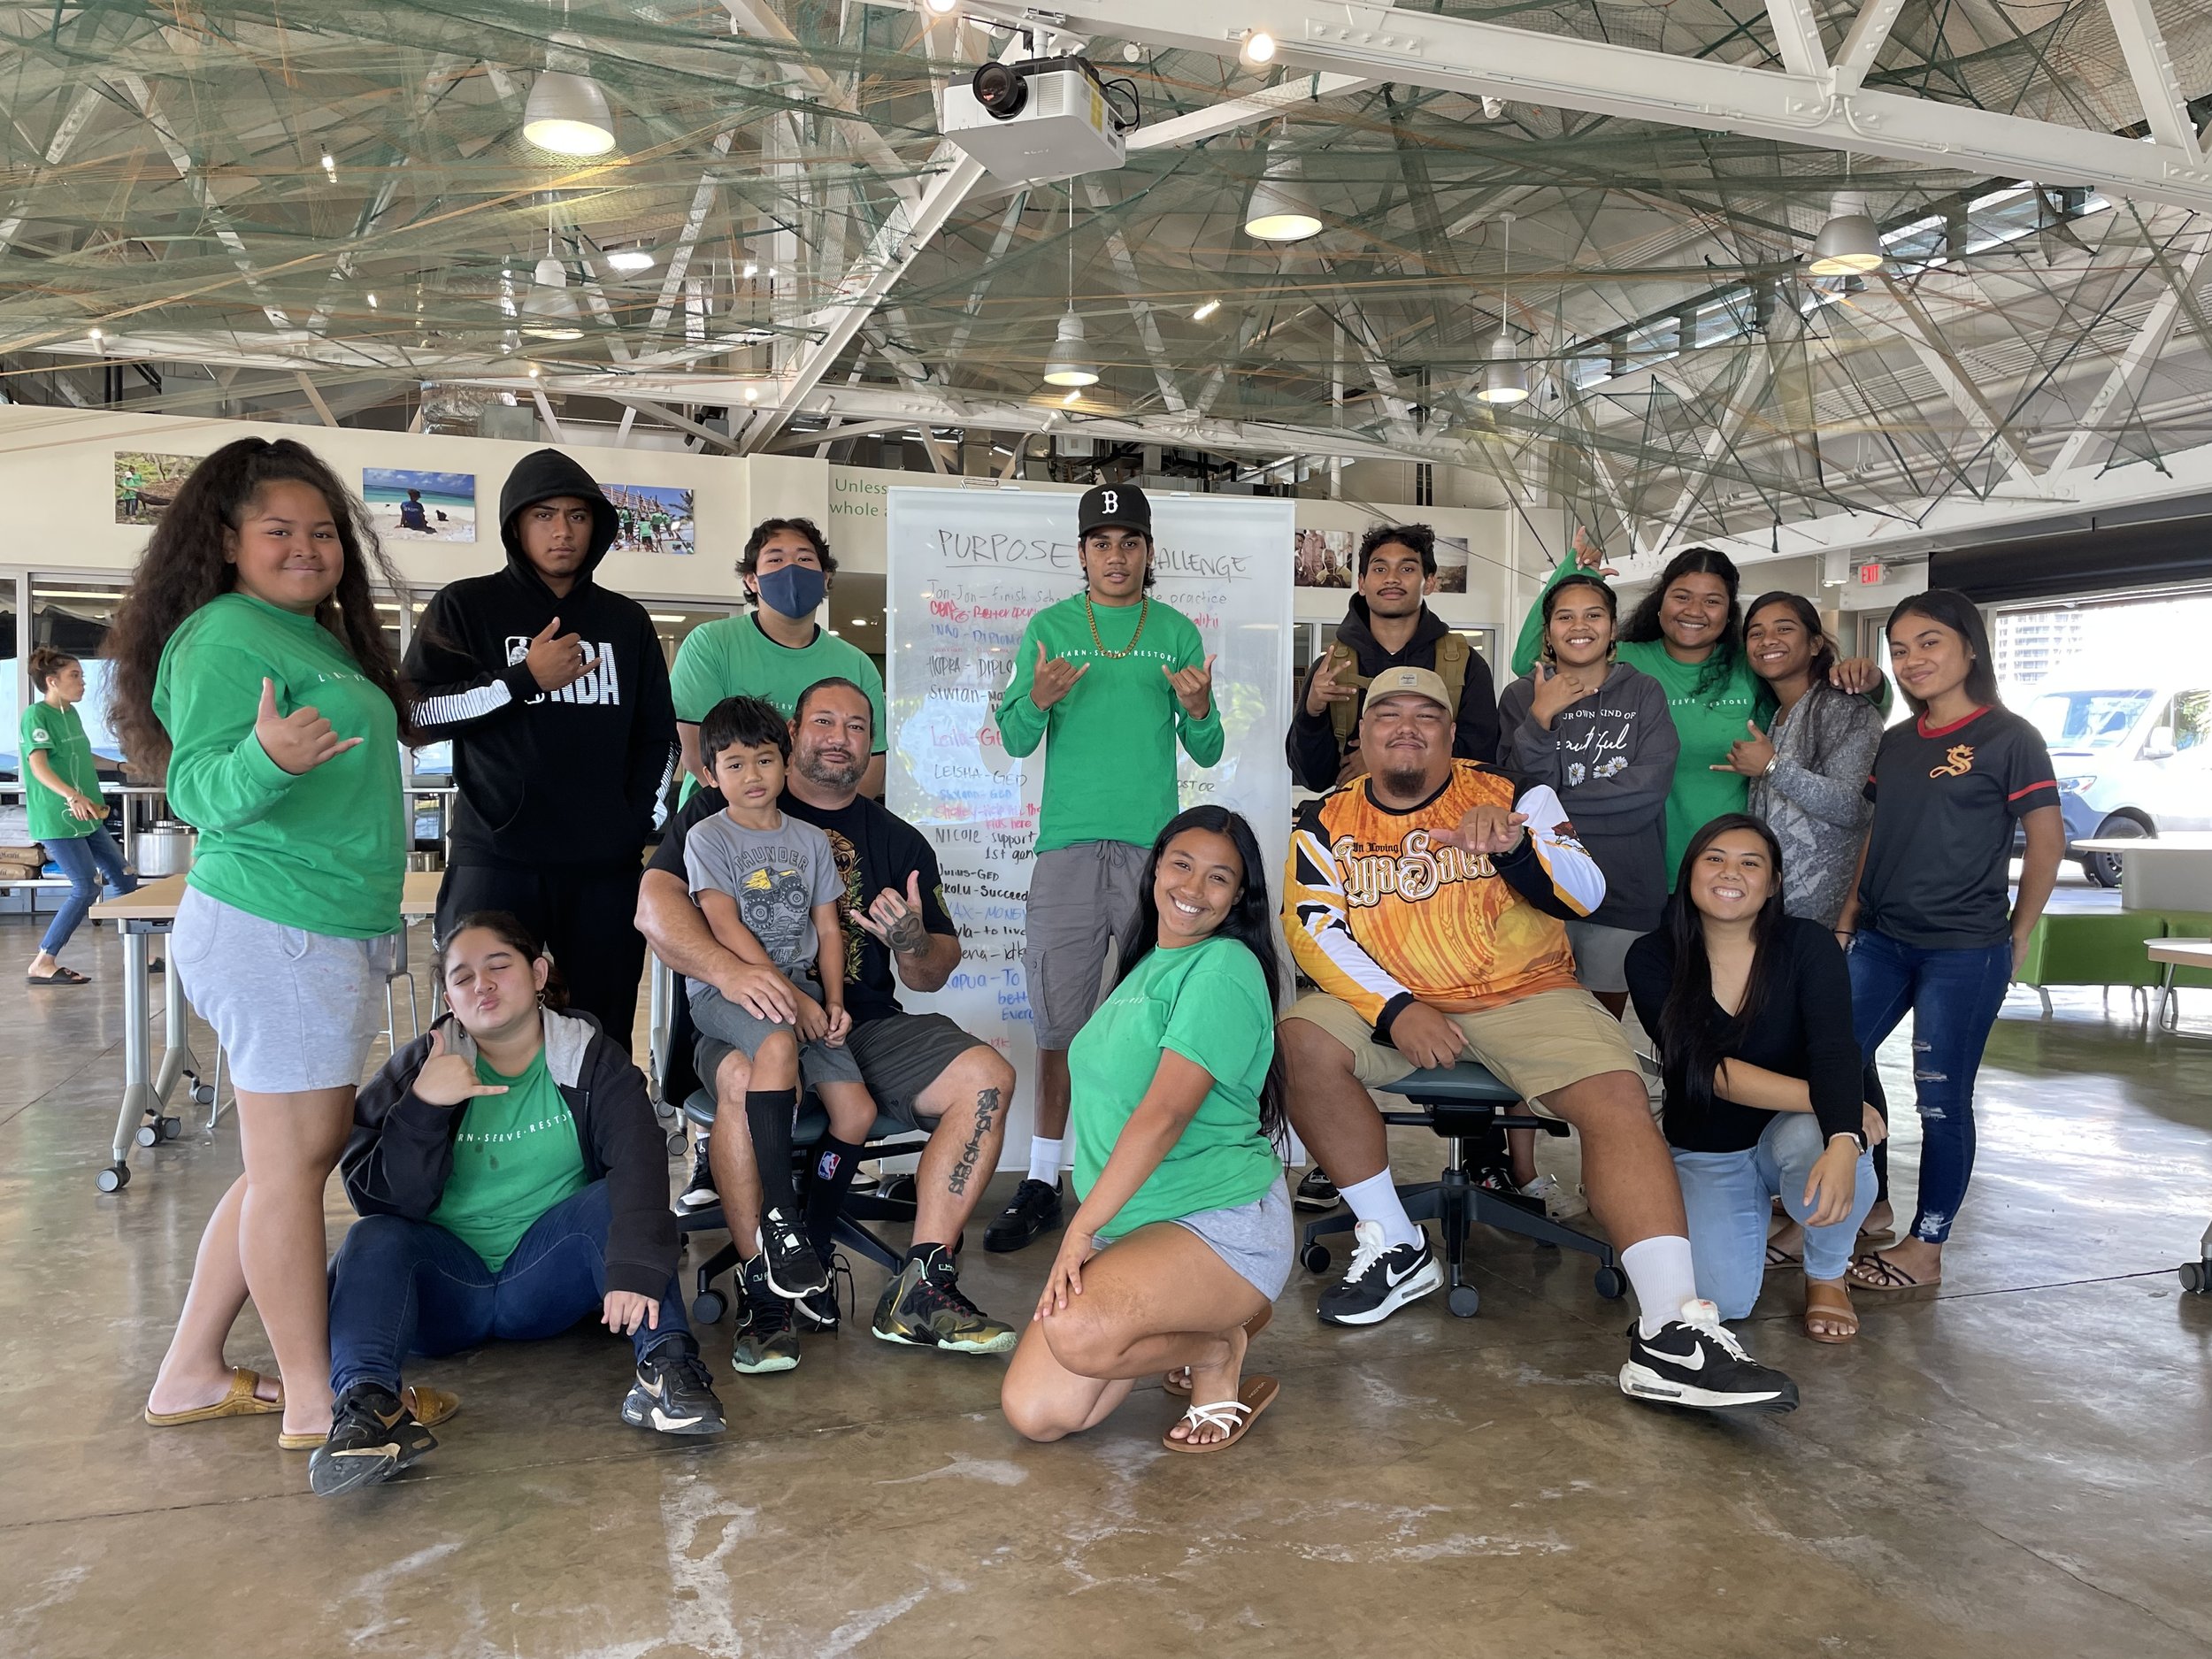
(1750, 1008)
(1929, 927)
(250, 668)
(1178, 1112)
(62, 799)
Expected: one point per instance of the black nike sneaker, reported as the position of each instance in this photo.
(372, 1437)
(699, 1192)
(1316, 1191)
(793, 1268)
(673, 1393)
(766, 1342)
(1034, 1211)
(1379, 1281)
(821, 1311)
(1696, 1362)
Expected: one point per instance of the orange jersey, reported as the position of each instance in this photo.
(1378, 910)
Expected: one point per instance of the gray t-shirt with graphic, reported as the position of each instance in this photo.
(776, 876)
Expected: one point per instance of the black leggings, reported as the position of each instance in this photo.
(586, 915)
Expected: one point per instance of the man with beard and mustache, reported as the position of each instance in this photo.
(1429, 906)
(923, 1069)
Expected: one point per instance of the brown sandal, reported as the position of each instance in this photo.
(1830, 1302)
(243, 1399)
(1254, 1396)
(1178, 1382)
(1872, 1271)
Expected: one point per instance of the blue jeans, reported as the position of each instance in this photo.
(84, 859)
(1727, 1195)
(1953, 996)
(401, 1287)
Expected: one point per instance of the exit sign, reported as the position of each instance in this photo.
(1870, 575)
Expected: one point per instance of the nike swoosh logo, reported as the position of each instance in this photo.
(1397, 1278)
(1694, 1360)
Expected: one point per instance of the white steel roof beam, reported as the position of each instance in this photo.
(1797, 37)
(2151, 66)
(1869, 33)
(2148, 345)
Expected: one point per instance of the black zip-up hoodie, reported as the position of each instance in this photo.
(401, 1151)
(569, 777)
(1311, 747)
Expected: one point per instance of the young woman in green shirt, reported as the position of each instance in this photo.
(1177, 1110)
(251, 671)
(61, 797)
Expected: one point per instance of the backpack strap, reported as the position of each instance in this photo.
(1452, 652)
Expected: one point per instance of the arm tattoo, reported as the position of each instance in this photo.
(985, 1109)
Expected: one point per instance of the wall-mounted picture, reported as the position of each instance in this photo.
(655, 518)
(145, 483)
(1325, 557)
(420, 506)
(1451, 565)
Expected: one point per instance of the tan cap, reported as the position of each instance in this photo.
(1419, 682)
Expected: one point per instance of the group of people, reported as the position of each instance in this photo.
(1674, 812)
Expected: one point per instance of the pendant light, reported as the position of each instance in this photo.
(1070, 363)
(1503, 379)
(1280, 210)
(549, 311)
(1850, 243)
(567, 113)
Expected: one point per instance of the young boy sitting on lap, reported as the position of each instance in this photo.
(769, 886)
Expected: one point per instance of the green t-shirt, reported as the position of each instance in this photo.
(60, 732)
(732, 657)
(324, 850)
(1109, 760)
(1208, 1002)
(516, 1156)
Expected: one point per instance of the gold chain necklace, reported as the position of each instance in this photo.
(1144, 614)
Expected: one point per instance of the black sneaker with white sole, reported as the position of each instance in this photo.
(787, 1257)
(1696, 1362)
(372, 1437)
(673, 1393)
(1381, 1280)
(1316, 1191)
(1033, 1211)
(699, 1192)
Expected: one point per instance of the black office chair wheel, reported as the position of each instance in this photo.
(113, 1179)
(1316, 1258)
(2196, 1278)
(202, 1092)
(1464, 1301)
(148, 1133)
(708, 1307)
(1610, 1283)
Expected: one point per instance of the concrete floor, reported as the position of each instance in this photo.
(2020, 1466)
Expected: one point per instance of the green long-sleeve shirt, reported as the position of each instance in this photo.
(322, 850)
(1109, 768)
(1707, 718)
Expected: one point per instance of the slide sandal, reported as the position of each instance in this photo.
(242, 1400)
(60, 975)
(1829, 1305)
(1178, 1382)
(1237, 1415)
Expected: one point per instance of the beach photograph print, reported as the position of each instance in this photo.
(420, 506)
(654, 518)
(145, 483)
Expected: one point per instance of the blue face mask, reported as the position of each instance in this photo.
(794, 590)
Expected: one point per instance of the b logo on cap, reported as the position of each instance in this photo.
(1112, 500)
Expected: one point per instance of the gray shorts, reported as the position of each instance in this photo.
(1081, 899)
(1600, 955)
(1255, 1239)
(741, 1029)
(294, 1010)
(900, 1056)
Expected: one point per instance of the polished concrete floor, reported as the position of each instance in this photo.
(2020, 1466)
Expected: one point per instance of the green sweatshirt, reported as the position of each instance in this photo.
(323, 851)
(1110, 772)
(1708, 718)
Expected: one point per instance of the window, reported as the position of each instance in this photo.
(2192, 722)
(73, 614)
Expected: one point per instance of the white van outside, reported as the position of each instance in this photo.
(2133, 757)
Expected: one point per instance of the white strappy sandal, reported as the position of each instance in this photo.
(1235, 1416)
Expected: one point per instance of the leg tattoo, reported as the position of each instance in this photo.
(985, 1109)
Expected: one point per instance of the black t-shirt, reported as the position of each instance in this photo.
(875, 850)
(1802, 1029)
(1945, 801)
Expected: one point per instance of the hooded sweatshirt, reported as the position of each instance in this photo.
(1315, 760)
(1611, 756)
(571, 776)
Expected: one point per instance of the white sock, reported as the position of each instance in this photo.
(1044, 1160)
(1376, 1200)
(1663, 1278)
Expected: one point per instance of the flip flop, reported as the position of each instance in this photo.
(431, 1407)
(1178, 1382)
(1873, 1272)
(60, 975)
(1832, 1304)
(1237, 1415)
(242, 1400)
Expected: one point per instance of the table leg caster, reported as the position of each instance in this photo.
(113, 1179)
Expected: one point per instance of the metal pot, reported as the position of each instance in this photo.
(162, 848)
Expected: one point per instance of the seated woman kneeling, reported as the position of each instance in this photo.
(511, 1178)
(1751, 1010)
(1177, 1111)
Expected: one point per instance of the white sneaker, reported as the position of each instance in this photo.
(1561, 1203)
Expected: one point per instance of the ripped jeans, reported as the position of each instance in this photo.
(1953, 996)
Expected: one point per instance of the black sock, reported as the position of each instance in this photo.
(833, 1162)
(768, 1115)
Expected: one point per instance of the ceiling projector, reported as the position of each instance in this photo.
(1036, 120)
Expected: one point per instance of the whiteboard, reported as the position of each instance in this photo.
(966, 572)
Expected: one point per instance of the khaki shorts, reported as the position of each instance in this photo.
(1536, 1045)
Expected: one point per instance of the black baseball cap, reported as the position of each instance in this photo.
(1113, 507)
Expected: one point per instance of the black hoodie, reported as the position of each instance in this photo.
(571, 776)
(1315, 760)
